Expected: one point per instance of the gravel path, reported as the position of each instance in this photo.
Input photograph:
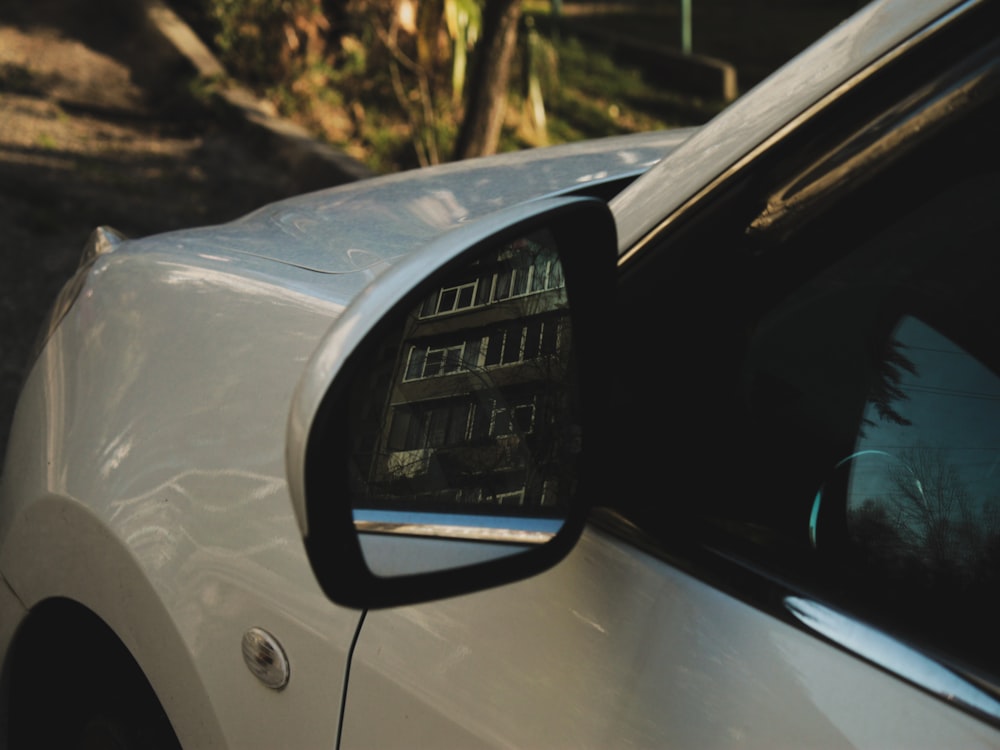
(82, 144)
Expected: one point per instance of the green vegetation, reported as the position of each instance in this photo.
(596, 96)
(382, 79)
(45, 141)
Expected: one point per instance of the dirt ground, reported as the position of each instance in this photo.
(84, 143)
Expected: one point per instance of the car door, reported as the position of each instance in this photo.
(800, 541)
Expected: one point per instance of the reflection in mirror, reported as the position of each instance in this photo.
(463, 425)
(923, 499)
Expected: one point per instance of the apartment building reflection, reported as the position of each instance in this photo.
(479, 403)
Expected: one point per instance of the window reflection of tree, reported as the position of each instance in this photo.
(928, 527)
(926, 551)
(924, 523)
(886, 385)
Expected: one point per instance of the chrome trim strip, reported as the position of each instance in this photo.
(793, 125)
(895, 657)
(464, 533)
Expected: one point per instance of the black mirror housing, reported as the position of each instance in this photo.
(447, 435)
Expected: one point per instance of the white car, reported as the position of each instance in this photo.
(409, 463)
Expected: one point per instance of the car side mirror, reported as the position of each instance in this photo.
(446, 433)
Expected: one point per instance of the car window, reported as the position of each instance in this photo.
(877, 383)
(826, 407)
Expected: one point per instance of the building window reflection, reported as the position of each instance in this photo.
(539, 273)
(513, 343)
(478, 410)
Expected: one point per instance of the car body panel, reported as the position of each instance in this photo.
(150, 468)
(147, 452)
(147, 463)
(366, 224)
(647, 656)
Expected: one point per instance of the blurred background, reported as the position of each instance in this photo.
(151, 115)
(402, 83)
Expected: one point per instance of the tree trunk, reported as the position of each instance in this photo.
(486, 97)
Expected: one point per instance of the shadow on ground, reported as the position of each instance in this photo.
(87, 138)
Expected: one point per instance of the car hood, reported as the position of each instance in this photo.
(366, 224)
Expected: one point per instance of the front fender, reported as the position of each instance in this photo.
(145, 480)
(58, 548)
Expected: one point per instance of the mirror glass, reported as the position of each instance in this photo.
(464, 432)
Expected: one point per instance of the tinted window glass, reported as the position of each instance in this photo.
(822, 383)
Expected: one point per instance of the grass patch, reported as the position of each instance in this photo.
(599, 96)
(45, 141)
(588, 94)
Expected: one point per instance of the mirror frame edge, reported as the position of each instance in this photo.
(331, 543)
